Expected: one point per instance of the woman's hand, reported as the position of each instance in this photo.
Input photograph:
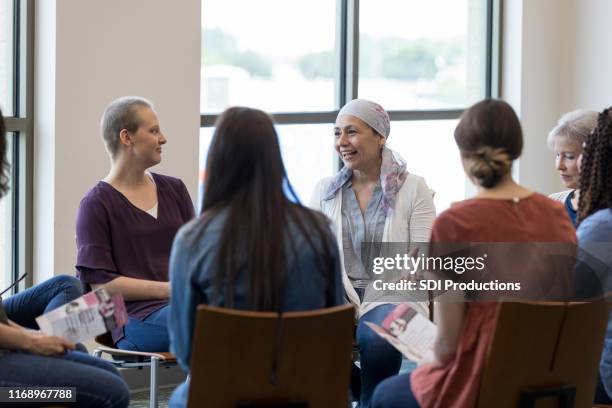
(165, 290)
(450, 311)
(428, 358)
(137, 289)
(44, 345)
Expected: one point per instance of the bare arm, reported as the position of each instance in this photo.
(17, 326)
(450, 314)
(15, 338)
(137, 289)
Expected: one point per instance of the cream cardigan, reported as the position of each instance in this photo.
(410, 221)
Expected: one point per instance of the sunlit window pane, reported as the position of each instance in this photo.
(430, 151)
(274, 55)
(416, 54)
(307, 152)
(6, 56)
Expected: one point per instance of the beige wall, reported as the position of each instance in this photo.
(556, 58)
(88, 53)
(586, 80)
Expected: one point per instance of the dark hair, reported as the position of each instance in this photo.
(596, 168)
(246, 178)
(490, 134)
(4, 167)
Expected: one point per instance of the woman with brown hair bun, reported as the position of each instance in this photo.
(489, 138)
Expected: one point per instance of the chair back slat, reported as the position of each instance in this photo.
(544, 346)
(233, 354)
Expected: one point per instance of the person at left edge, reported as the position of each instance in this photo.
(29, 357)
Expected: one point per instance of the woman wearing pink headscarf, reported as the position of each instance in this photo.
(372, 199)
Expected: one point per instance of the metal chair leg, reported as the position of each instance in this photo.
(153, 384)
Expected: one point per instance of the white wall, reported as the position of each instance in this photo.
(587, 59)
(89, 53)
(556, 57)
(533, 38)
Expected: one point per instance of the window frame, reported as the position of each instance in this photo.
(20, 126)
(347, 77)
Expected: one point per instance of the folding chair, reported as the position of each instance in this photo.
(544, 355)
(243, 359)
(136, 359)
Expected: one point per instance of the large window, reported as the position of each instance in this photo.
(16, 77)
(278, 61)
(424, 61)
(418, 55)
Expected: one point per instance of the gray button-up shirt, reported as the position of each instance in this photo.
(357, 229)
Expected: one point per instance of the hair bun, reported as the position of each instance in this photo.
(489, 165)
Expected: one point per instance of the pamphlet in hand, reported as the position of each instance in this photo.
(408, 331)
(90, 315)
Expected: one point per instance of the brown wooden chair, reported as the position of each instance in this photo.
(544, 355)
(136, 359)
(250, 359)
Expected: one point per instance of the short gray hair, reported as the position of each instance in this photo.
(121, 114)
(575, 125)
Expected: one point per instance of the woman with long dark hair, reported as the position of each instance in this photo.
(596, 170)
(595, 230)
(252, 247)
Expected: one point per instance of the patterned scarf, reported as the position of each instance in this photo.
(392, 176)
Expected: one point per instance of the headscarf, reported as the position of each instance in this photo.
(392, 176)
(371, 113)
(393, 168)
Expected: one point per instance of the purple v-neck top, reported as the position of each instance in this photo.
(116, 238)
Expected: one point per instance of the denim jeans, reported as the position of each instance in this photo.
(601, 396)
(98, 384)
(150, 334)
(379, 359)
(24, 307)
(394, 392)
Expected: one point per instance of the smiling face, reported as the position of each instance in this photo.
(148, 139)
(566, 161)
(357, 143)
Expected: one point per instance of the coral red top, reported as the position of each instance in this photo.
(535, 218)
